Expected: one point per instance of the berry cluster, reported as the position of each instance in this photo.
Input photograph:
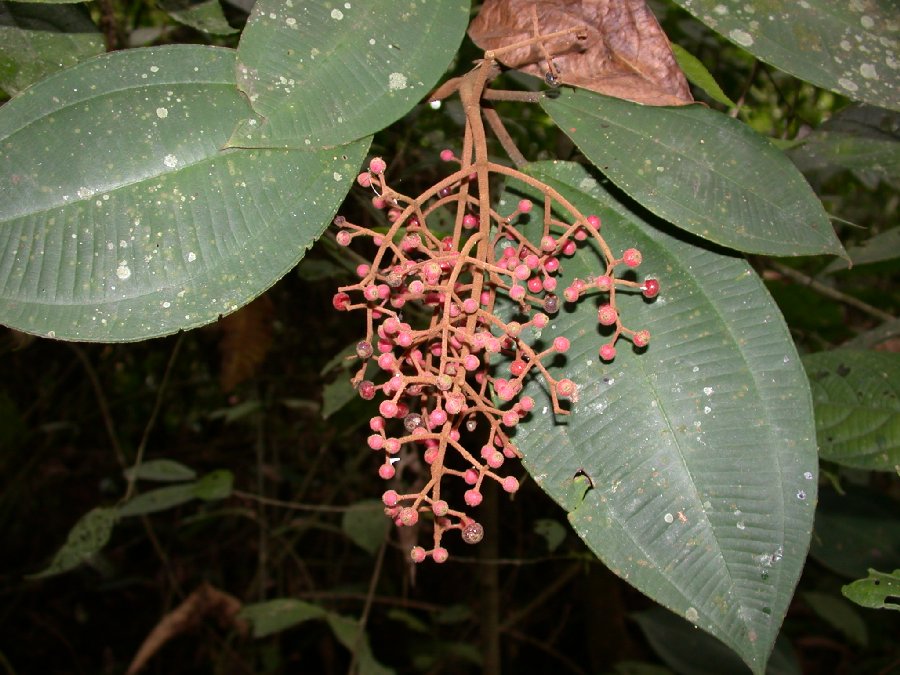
(440, 359)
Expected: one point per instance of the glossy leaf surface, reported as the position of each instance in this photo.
(848, 47)
(121, 218)
(689, 469)
(322, 74)
(701, 170)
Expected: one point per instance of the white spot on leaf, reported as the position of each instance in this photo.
(396, 81)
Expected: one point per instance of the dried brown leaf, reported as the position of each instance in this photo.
(246, 338)
(204, 602)
(624, 54)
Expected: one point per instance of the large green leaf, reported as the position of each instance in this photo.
(325, 73)
(701, 170)
(848, 47)
(688, 651)
(121, 217)
(690, 469)
(39, 39)
(857, 401)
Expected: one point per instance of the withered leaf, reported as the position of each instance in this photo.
(622, 52)
(246, 338)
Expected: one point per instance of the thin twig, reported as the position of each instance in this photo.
(517, 96)
(154, 414)
(370, 595)
(296, 506)
(831, 293)
(102, 403)
(549, 591)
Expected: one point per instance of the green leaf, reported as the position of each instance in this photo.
(90, 534)
(878, 591)
(860, 138)
(699, 76)
(700, 170)
(336, 394)
(840, 615)
(206, 16)
(856, 395)
(855, 531)
(214, 485)
(346, 630)
(39, 39)
(160, 499)
(120, 216)
(688, 651)
(321, 74)
(274, 616)
(552, 531)
(881, 247)
(848, 47)
(366, 525)
(163, 470)
(690, 469)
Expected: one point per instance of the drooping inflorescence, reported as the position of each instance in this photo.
(438, 357)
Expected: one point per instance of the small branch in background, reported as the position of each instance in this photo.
(154, 414)
(739, 103)
(490, 584)
(102, 403)
(296, 506)
(831, 293)
(370, 598)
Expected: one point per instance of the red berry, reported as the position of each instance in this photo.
(390, 498)
(641, 338)
(525, 205)
(632, 257)
(440, 508)
(607, 352)
(340, 301)
(607, 315)
(561, 343)
(366, 390)
(408, 516)
(650, 288)
(447, 155)
(565, 388)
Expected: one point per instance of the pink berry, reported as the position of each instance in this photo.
(471, 362)
(343, 238)
(387, 409)
(521, 272)
(390, 498)
(604, 283)
(440, 508)
(517, 292)
(391, 446)
(510, 418)
(561, 344)
(377, 165)
(408, 516)
(437, 418)
(470, 222)
(386, 471)
(650, 289)
(366, 390)
(417, 554)
(510, 484)
(571, 294)
(340, 301)
(375, 441)
(470, 476)
(607, 315)
(632, 257)
(565, 388)
(472, 497)
(527, 403)
(495, 459)
(534, 285)
(548, 244)
(447, 155)
(607, 352)
(594, 222)
(540, 320)
(551, 265)
(525, 205)
(376, 423)
(364, 179)
(569, 248)
(641, 338)
(440, 555)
